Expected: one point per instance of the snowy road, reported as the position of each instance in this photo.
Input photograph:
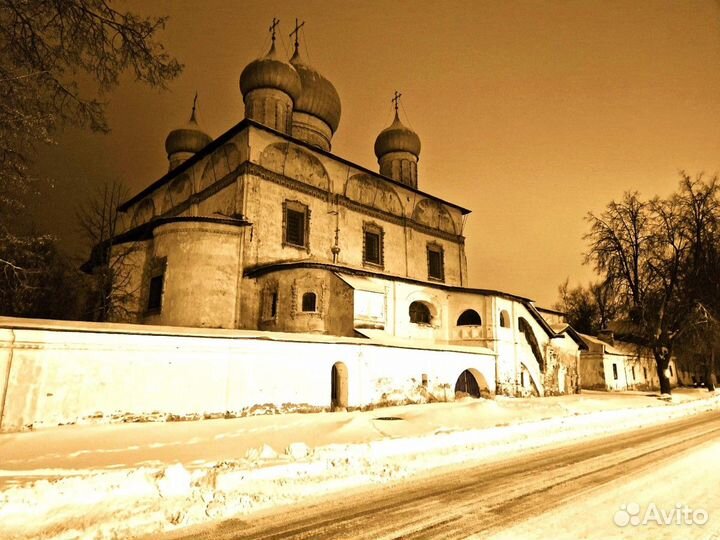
(573, 491)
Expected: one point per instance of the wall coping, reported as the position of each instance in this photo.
(47, 325)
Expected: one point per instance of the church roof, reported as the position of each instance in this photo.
(244, 124)
(341, 269)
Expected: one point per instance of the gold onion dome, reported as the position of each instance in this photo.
(270, 72)
(189, 138)
(397, 138)
(318, 96)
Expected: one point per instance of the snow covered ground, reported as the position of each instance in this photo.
(119, 480)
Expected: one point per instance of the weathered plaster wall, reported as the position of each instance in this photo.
(58, 372)
(201, 276)
(334, 302)
(636, 371)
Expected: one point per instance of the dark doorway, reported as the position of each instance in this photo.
(338, 387)
(468, 384)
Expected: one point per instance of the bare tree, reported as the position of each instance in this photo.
(111, 261)
(660, 256)
(634, 246)
(58, 60)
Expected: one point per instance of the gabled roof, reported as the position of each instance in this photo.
(618, 348)
(574, 334)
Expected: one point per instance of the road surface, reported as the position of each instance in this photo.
(482, 500)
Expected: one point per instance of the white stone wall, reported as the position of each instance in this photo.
(55, 372)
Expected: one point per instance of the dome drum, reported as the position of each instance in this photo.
(400, 166)
(312, 130)
(270, 87)
(270, 107)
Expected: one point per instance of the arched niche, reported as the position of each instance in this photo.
(527, 331)
(469, 317)
(473, 383)
(144, 212)
(296, 163)
(178, 191)
(434, 215)
(338, 386)
(368, 191)
(420, 312)
(221, 162)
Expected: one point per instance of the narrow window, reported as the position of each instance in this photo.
(670, 368)
(469, 317)
(633, 373)
(645, 373)
(296, 218)
(504, 319)
(372, 245)
(309, 301)
(270, 305)
(615, 375)
(419, 313)
(436, 267)
(155, 294)
(295, 228)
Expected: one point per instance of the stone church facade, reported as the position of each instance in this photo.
(264, 228)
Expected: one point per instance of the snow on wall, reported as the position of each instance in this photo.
(54, 372)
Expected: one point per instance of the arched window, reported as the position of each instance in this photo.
(309, 301)
(469, 317)
(419, 313)
(504, 319)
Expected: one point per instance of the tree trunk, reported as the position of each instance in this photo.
(662, 361)
(709, 371)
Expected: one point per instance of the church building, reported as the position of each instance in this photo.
(264, 228)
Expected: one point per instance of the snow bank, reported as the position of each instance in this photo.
(142, 500)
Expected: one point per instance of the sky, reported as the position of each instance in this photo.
(531, 113)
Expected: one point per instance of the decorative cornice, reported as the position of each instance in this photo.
(243, 125)
(280, 179)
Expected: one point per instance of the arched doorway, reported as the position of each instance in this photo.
(472, 382)
(338, 387)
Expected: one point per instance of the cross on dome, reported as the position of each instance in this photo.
(296, 33)
(272, 28)
(193, 118)
(396, 101)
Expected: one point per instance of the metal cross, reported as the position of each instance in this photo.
(296, 33)
(192, 116)
(396, 100)
(273, 26)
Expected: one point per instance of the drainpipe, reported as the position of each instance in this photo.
(7, 379)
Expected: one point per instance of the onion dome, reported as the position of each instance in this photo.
(397, 138)
(318, 97)
(189, 138)
(270, 72)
